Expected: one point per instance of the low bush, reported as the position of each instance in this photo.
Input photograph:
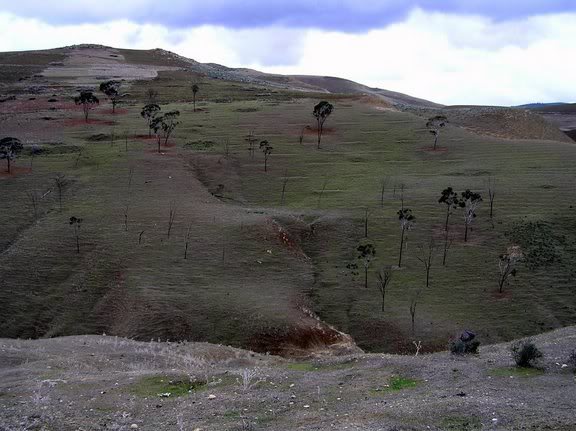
(525, 354)
(465, 344)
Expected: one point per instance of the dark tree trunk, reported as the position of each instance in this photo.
(194, 101)
(466, 233)
(435, 142)
(365, 277)
(445, 254)
(319, 133)
(9, 166)
(401, 248)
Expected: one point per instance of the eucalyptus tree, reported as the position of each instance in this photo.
(9, 150)
(469, 202)
(434, 125)
(112, 90)
(88, 100)
(149, 112)
(449, 198)
(266, 148)
(195, 90)
(321, 112)
(406, 219)
(366, 254)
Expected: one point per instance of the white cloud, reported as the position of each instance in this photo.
(448, 58)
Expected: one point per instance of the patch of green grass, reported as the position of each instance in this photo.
(168, 386)
(396, 383)
(516, 372)
(461, 423)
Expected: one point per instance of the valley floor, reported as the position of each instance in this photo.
(111, 383)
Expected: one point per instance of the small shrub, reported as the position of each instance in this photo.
(525, 354)
(466, 344)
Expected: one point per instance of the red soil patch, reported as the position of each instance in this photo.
(15, 170)
(283, 237)
(314, 131)
(505, 295)
(308, 338)
(91, 122)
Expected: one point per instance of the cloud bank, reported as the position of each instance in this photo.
(449, 58)
(342, 15)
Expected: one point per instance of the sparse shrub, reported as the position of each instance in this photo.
(465, 344)
(525, 354)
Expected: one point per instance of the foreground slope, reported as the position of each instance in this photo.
(266, 264)
(103, 382)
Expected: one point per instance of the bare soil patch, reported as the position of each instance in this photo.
(14, 171)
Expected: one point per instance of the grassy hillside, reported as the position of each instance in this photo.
(260, 269)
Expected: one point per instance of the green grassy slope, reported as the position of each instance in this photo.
(254, 264)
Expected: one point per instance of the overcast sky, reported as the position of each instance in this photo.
(502, 52)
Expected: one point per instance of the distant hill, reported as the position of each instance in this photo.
(540, 105)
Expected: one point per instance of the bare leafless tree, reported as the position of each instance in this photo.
(125, 140)
(152, 95)
(384, 279)
(33, 198)
(140, 237)
(130, 175)
(383, 185)
(413, 305)
(75, 222)
(491, 196)
(426, 256)
(324, 184)
(171, 217)
(251, 139)
(301, 137)
(284, 184)
(187, 240)
(226, 145)
(126, 216)
(61, 182)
